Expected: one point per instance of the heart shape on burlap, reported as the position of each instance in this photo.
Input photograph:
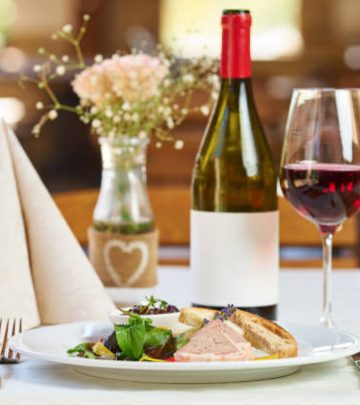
(127, 248)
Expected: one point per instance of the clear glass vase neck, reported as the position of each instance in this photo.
(123, 153)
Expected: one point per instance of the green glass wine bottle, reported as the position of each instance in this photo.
(234, 217)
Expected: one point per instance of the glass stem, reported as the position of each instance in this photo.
(327, 320)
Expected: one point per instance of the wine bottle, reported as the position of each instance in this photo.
(234, 216)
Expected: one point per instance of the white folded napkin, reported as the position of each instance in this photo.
(44, 275)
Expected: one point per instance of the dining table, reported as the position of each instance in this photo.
(35, 381)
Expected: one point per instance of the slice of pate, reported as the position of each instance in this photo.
(216, 341)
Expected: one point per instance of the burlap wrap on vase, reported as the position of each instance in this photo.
(124, 260)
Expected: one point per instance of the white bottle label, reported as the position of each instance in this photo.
(235, 258)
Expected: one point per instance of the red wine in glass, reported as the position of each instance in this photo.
(326, 194)
(323, 126)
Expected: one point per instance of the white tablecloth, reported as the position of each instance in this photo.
(37, 382)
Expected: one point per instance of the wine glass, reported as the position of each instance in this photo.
(320, 165)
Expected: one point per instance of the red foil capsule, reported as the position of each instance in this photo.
(235, 52)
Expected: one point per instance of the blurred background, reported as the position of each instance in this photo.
(295, 43)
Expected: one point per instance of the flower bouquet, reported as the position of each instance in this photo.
(127, 100)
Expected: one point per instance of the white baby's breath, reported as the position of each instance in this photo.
(53, 115)
(37, 68)
(127, 95)
(213, 79)
(126, 106)
(204, 110)
(170, 123)
(179, 144)
(67, 28)
(60, 70)
(96, 123)
(188, 78)
(108, 113)
(98, 58)
(39, 105)
(36, 130)
(135, 117)
(167, 112)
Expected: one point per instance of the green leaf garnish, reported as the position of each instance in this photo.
(157, 337)
(131, 338)
(83, 349)
(153, 302)
(180, 341)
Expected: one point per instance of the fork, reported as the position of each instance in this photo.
(7, 355)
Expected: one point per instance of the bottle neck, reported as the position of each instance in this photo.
(234, 89)
(235, 53)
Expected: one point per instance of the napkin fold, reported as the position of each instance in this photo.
(45, 276)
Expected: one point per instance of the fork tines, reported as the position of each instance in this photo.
(8, 328)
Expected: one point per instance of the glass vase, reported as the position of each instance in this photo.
(123, 240)
(123, 204)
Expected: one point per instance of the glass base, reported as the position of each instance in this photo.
(327, 322)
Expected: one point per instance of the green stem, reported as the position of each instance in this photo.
(67, 108)
(81, 33)
(51, 94)
(79, 54)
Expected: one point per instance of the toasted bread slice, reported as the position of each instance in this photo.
(195, 316)
(260, 332)
(265, 335)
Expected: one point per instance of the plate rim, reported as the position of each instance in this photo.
(18, 345)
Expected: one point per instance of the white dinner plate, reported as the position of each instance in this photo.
(316, 345)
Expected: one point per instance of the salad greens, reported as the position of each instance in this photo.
(131, 338)
(83, 350)
(136, 340)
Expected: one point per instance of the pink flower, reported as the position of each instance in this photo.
(131, 78)
(136, 77)
(92, 85)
